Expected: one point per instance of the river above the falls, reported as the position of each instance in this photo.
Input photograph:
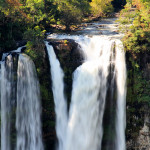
(105, 26)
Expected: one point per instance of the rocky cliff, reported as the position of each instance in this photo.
(138, 101)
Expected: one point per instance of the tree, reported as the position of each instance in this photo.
(69, 14)
(101, 8)
(72, 11)
(137, 37)
(84, 6)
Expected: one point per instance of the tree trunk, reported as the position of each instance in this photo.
(68, 28)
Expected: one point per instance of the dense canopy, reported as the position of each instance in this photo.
(17, 17)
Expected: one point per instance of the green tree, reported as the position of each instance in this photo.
(137, 37)
(12, 21)
(72, 11)
(101, 8)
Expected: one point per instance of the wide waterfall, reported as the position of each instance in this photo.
(20, 105)
(104, 61)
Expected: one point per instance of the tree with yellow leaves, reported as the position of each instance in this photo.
(101, 8)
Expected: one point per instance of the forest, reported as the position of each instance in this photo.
(26, 19)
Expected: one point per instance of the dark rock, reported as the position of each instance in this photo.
(70, 57)
(15, 46)
(68, 52)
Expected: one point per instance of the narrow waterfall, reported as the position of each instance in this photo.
(6, 88)
(84, 128)
(28, 122)
(121, 96)
(20, 104)
(59, 97)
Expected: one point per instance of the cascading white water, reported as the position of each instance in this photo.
(28, 121)
(6, 87)
(121, 96)
(84, 130)
(59, 97)
(88, 97)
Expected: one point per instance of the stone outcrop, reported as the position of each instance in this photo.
(142, 142)
(68, 52)
(70, 57)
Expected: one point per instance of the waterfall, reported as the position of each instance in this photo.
(6, 88)
(59, 97)
(101, 76)
(88, 97)
(20, 104)
(84, 130)
(121, 96)
(28, 122)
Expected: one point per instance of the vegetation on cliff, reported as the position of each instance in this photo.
(136, 18)
(135, 24)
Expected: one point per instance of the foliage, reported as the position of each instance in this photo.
(36, 35)
(100, 7)
(72, 11)
(138, 98)
(126, 15)
(19, 16)
(137, 35)
(135, 24)
(10, 31)
(35, 45)
(69, 14)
